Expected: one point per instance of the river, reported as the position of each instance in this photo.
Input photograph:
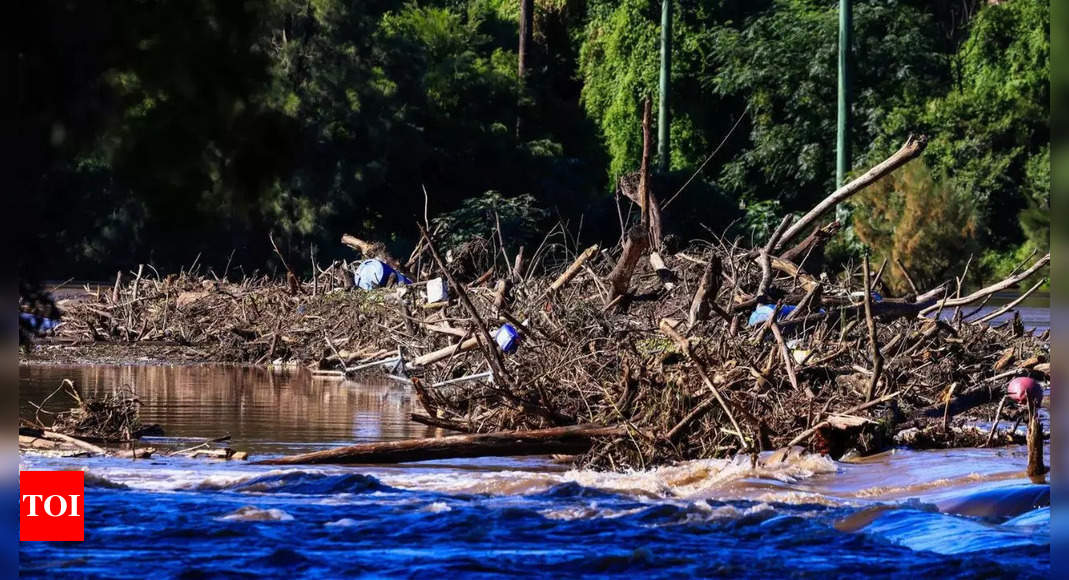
(808, 516)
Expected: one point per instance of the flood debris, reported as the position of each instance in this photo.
(709, 351)
(106, 426)
(113, 418)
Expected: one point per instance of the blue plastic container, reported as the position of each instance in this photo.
(373, 274)
(507, 338)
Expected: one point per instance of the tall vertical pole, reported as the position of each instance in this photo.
(842, 141)
(526, 34)
(663, 119)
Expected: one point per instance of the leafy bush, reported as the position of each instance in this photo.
(927, 225)
(991, 125)
(478, 217)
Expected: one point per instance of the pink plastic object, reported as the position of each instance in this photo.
(1022, 388)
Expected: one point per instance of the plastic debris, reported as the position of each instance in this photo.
(1021, 389)
(861, 296)
(371, 274)
(38, 323)
(437, 291)
(507, 337)
(764, 311)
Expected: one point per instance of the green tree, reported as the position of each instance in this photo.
(928, 226)
(783, 62)
(991, 131)
(144, 134)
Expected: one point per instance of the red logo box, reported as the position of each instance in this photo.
(51, 506)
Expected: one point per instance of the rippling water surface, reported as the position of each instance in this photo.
(958, 513)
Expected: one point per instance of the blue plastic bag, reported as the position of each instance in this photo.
(38, 323)
(373, 274)
(764, 311)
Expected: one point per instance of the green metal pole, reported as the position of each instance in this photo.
(842, 142)
(663, 119)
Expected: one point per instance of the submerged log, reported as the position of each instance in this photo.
(558, 440)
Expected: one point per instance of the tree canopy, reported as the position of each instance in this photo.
(160, 130)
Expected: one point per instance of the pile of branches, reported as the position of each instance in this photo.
(663, 346)
(686, 381)
(255, 320)
(115, 417)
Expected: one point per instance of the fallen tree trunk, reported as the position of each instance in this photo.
(559, 440)
(969, 399)
(887, 310)
(75, 442)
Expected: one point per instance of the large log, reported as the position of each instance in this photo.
(985, 292)
(886, 310)
(558, 440)
(968, 399)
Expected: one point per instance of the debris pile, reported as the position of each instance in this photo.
(709, 351)
(110, 425)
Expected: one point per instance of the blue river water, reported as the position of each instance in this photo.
(957, 513)
(310, 523)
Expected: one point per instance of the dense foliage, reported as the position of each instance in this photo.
(158, 130)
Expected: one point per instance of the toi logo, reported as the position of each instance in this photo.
(51, 506)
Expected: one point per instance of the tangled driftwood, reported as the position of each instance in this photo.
(654, 347)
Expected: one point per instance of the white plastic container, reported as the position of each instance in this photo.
(437, 291)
